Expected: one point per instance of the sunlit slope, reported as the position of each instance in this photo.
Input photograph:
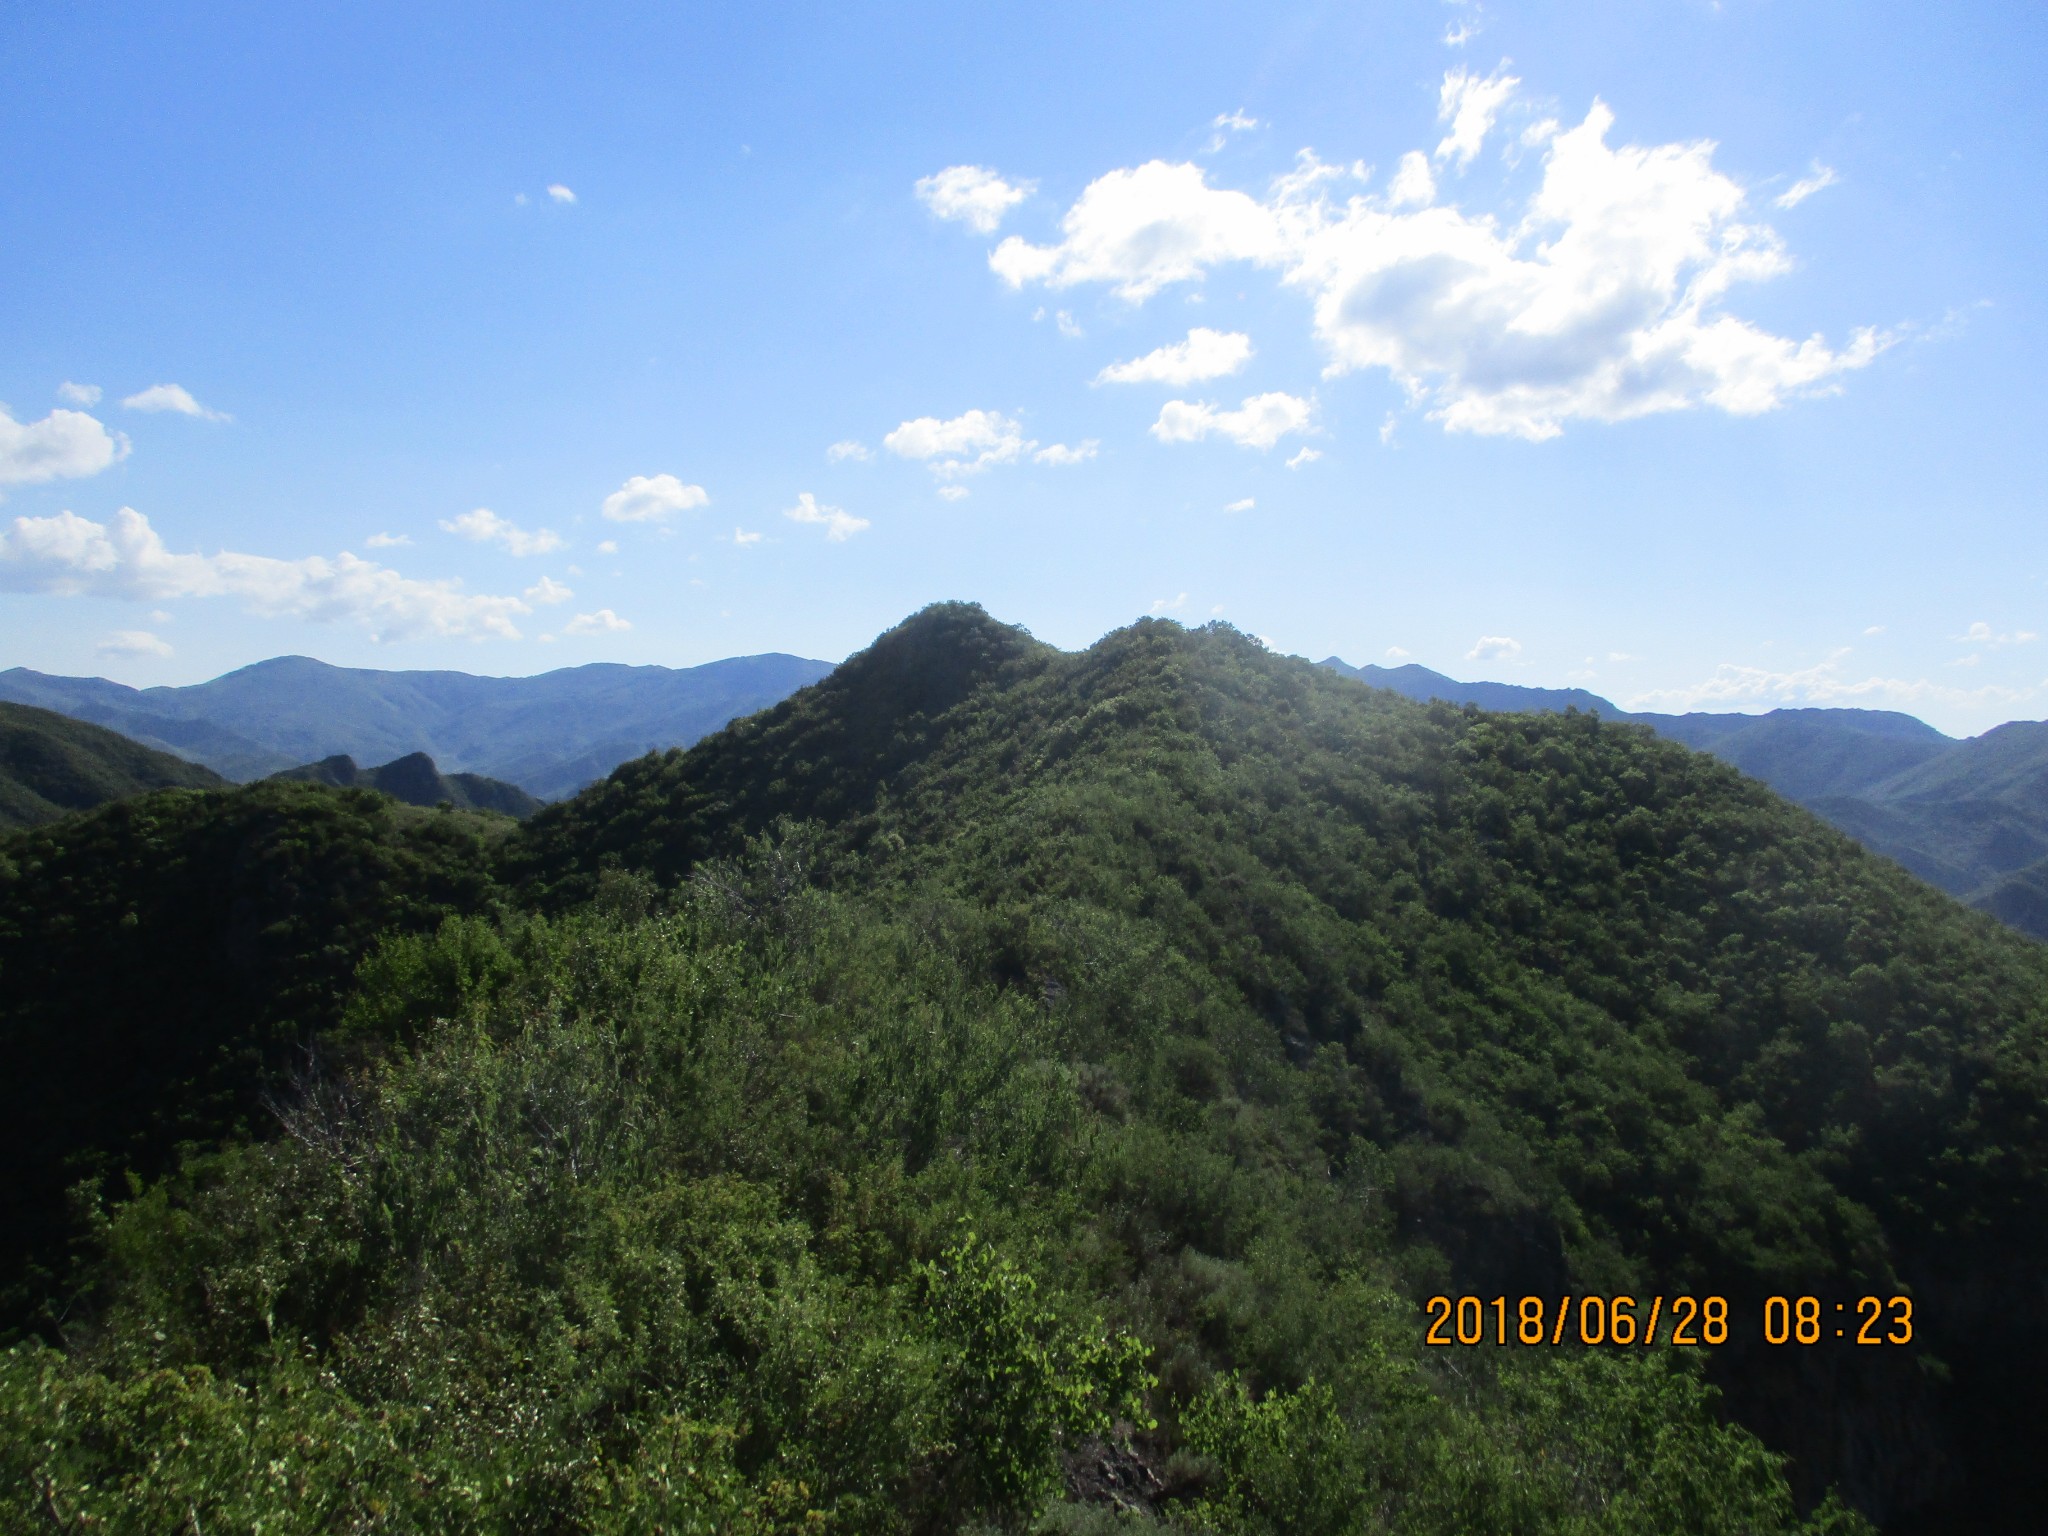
(51, 765)
(1603, 1013)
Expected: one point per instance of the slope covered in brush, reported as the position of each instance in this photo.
(1599, 1013)
(51, 765)
(163, 957)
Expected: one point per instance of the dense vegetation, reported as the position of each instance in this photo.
(997, 1086)
(51, 766)
(162, 960)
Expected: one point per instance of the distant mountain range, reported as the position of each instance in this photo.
(550, 734)
(1968, 816)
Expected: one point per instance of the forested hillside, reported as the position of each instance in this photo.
(415, 780)
(1001, 1086)
(51, 766)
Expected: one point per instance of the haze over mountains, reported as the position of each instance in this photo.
(1968, 816)
(549, 734)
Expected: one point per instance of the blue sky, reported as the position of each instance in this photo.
(1686, 352)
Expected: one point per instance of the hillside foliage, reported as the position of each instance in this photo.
(998, 1086)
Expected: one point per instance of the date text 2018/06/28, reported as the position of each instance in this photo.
(1469, 1320)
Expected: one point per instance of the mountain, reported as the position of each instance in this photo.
(549, 734)
(1968, 816)
(51, 765)
(415, 780)
(1003, 1088)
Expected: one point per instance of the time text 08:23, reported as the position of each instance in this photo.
(1469, 1320)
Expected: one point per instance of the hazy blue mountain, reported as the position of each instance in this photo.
(415, 780)
(1968, 816)
(549, 734)
(51, 765)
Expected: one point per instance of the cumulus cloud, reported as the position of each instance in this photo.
(1060, 454)
(1245, 504)
(562, 194)
(174, 398)
(1983, 634)
(546, 592)
(1258, 423)
(483, 526)
(602, 622)
(964, 445)
(388, 540)
(1823, 683)
(79, 394)
(133, 642)
(1599, 298)
(742, 538)
(1305, 456)
(953, 493)
(652, 499)
(125, 558)
(1806, 186)
(848, 449)
(1206, 354)
(1470, 103)
(1494, 648)
(1139, 230)
(608, 547)
(839, 525)
(1396, 653)
(64, 445)
(1224, 124)
(1170, 605)
(972, 194)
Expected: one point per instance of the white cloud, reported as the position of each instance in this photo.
(1388, 428)
(1059, 454)
(963, 445)
(608, 547)
(562, 194)
(79, 394)
(1494, 648)
(1599, 298)
(483, 526)
(1305, 456)
(1414, 183)
(133, 642)
(1206, 354)
(1470, 103)
(742, 538)
(1069, 326)
(602, 622)
(1243, 505)
(64, 445)
(972, 194)
(1983, 634)
(388, 540)
(1805, 187)
(1875, 629)
(175, 398)
(1258, 423)
(652, 498)
(125, 558)
(1395, 653)
(1821, 684)
(838, 524)
(1459, 33)
(1166, 605)
(952, 493)
(1224, 124)
(848, 449)
(547, 592)
(1142, 229)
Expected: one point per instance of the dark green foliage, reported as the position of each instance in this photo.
(51, 766)
(415, 780)
(992, 1064)
(162, 958)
